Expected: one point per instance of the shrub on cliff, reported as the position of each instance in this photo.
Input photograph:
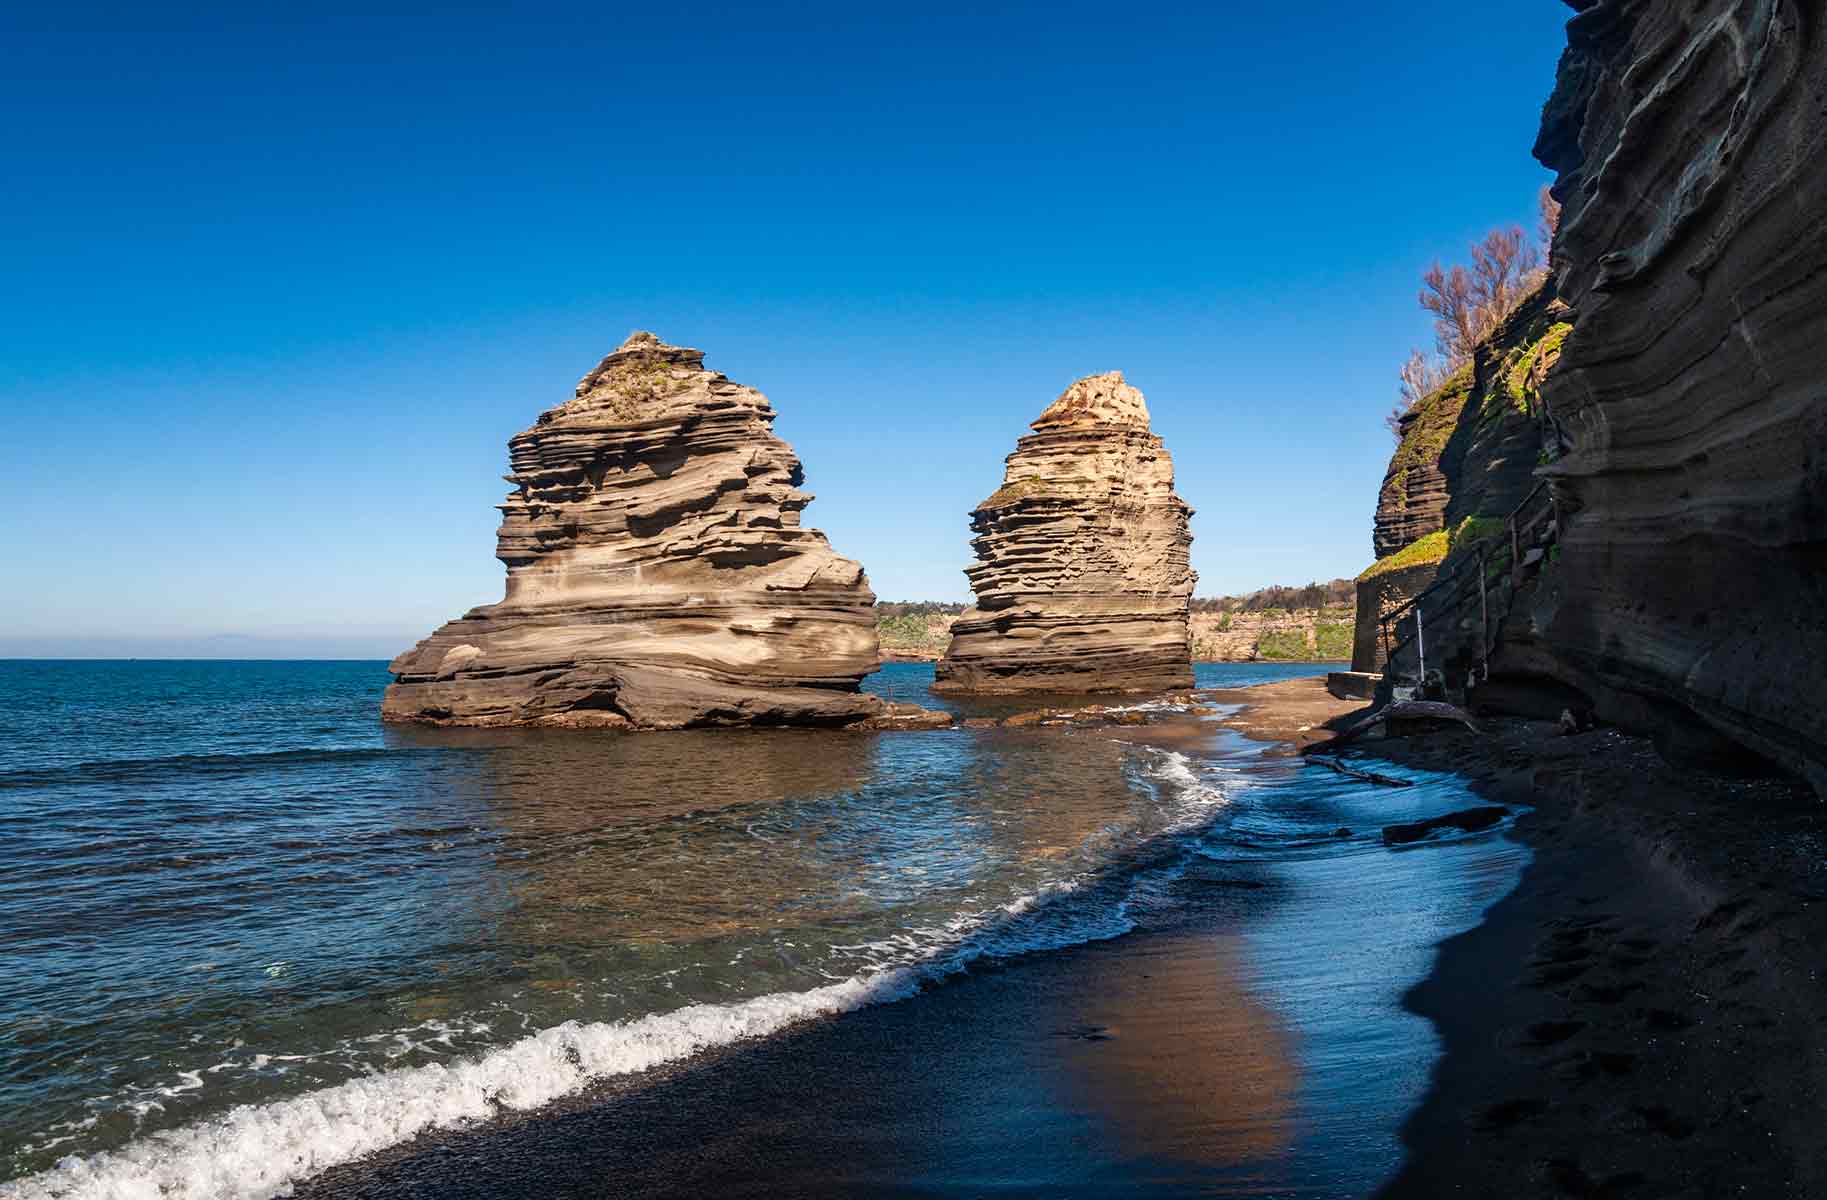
(1469, 303)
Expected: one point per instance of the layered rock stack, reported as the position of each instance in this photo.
(1082, 574)
(1691, 142)
(658, 575)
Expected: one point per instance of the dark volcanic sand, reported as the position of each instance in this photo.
(1643, 1016)
(1244, 1040)
(1092, 1072)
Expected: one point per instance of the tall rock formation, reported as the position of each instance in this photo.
(1691, 142)
(1082, 574)
(658, 575)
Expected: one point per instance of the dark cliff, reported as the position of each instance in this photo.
(1690, 592)
(1467, 457)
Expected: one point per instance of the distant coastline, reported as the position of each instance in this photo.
(1311, 624)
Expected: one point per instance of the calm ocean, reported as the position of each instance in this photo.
(248, 933)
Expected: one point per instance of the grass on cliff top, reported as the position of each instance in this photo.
(1422, 552)
(1008, 493)
(1431, 426)
(1437, 546)
(629, 389)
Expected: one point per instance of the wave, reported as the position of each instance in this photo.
(257, 1151)
(117, 770)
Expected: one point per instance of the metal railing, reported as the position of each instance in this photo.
(1473, 575)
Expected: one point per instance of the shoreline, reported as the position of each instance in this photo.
(1170, 1060)
(1643, 1013)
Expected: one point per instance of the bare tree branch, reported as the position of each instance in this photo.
(1421, 377)
(1550, 219)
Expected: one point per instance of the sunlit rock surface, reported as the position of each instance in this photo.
(658, 575)
(1082, 574)
(1691, 141)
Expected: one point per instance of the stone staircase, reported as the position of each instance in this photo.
(1440, 643)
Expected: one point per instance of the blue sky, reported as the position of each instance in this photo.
(279, 287)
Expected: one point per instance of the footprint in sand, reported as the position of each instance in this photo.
(1509, 1113)
(1665, 1122)
(1608, 993)
(1583, 1065)
(1554, 976)
(1664, 1019)
(1550, 1033)
(1570, 1180)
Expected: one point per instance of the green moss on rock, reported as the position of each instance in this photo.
(1525, 367)
(1421, 552)
(1431, 423)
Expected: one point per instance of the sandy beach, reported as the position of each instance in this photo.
(1641, 1017)
(1247, 1037)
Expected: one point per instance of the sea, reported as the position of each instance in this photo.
(250, 934)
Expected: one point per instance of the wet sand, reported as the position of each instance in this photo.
(1644, 1015)
(1640, 1017)
(1114, 1070)
(1240, 1042)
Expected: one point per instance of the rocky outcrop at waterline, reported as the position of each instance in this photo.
(1082, 576)
(1691, 143)
(658, 576)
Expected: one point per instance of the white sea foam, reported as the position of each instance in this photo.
(255, 1151)
(260, 1151)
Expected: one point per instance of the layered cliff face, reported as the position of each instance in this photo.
(1419, 480)
(1082, 574)
(1467, 457)
(658, 575)
(1691, 142)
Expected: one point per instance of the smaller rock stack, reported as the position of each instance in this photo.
(1082, 574)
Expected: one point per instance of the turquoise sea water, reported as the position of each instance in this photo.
(247, 932)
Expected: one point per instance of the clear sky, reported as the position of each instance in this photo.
(279, 286)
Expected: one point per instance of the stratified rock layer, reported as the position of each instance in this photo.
(1467, 457)
(1691, 141)
(1419, 480)
(658, 575)
(1082, 574)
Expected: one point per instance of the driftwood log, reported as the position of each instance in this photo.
(1344, 768)
(1401, 710)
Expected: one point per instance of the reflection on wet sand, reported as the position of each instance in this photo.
(1194, 1070)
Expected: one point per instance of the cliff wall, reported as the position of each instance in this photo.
(1467, 457)
(1691, 145)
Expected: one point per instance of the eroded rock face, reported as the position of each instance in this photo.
(1082, 574)
(1419, 480)
(658, 575)
(1691, 142)
(1467, 458)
